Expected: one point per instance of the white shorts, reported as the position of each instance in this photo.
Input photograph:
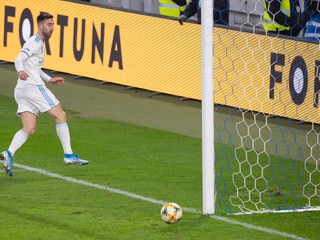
(34, 99)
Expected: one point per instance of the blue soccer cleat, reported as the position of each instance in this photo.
(74, 159)
(7, 162)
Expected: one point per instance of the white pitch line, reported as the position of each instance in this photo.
(2, 171)
(160, 202)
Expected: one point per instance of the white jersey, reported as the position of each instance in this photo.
(34, 59)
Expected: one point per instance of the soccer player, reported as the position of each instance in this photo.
(33, 97)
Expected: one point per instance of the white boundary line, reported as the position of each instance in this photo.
(2, 171)
(160, 202)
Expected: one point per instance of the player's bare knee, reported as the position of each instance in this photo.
(29, 131)
(62, 117)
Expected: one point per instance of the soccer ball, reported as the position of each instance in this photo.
(171, 213)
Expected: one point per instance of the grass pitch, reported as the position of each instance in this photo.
(159, 165)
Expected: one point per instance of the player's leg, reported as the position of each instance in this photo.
(29, 121)
(62, 129)
(60, 118)
(45, 101)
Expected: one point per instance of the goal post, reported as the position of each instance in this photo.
(261, 92)
(207, 107)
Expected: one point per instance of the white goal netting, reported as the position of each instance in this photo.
(267, 133)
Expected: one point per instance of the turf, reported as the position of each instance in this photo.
(152, 163)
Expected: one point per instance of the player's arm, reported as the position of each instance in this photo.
(23, 75)
(44, 76)
(54, 80)
(49, 79)
(57, 80)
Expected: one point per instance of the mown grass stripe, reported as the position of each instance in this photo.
(159, 202)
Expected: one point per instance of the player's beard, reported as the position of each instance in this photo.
(47, 35)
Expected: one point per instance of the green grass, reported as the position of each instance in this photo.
(148, 162)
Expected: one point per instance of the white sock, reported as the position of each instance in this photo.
(18, 140)
(64, 135)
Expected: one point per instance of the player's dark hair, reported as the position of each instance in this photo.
(43, 16)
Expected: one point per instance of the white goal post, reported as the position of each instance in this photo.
(207, 107)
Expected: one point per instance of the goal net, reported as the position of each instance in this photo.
(266, 117)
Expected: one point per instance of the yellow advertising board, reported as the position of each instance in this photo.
(257, 72)
(109, 45)
(261, 73)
